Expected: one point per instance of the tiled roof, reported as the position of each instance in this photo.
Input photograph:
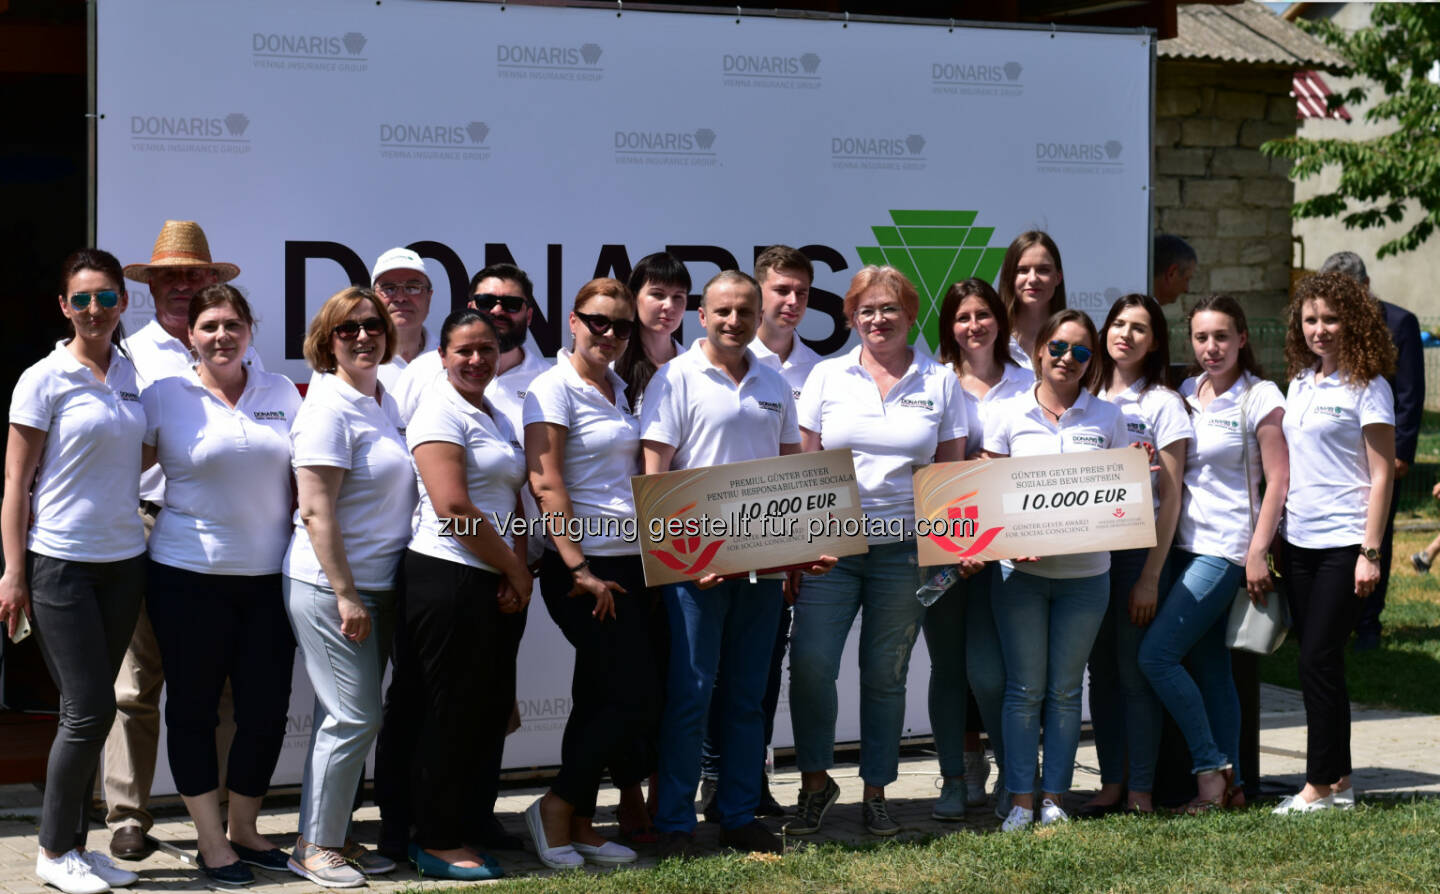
(1245, 33)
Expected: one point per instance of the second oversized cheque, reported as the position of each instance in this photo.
(1036, 505)
(764, 514)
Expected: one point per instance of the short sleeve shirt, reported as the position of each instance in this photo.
(228, 488)
(1329, 467)
(694, 406)
(1154, 416)
(494, 469)
(339, 427)
(1216, 515)
(420, 375)
(1021, 428)
(1013, 380)
(888, 436)
(602, 451)
(86, 489)
(795, 368)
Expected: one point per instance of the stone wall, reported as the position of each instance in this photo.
(1212, 185)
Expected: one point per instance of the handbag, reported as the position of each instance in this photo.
(1251, 627)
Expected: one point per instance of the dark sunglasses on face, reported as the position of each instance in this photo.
(599, 324)
(350, 329)
(511, 304)
(106, 297)
(1058, 348)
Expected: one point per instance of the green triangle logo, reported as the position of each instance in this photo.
(934, 249)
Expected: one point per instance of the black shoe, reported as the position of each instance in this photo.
(1366, 641)
(273, 859)
(752, 838)
(236, 874)
(768, 806)
(490, 835)
(707, 801)
(676, 846)
(131, 843)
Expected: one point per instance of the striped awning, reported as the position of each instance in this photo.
(1311, 97)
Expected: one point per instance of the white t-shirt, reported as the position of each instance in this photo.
(494, 468)
(339, 427)
(795, 368)
(602, 451)
(1215, 511)
(85, 492)
(1013, 380)
(694, 406)
(159, 355)
(888, 437)
(1155, 416)
(228, 486)
(1329, 469)
(1019, 427)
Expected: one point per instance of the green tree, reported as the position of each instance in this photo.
(1381, 177)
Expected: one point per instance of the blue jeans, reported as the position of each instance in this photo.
(1047, 626)
(881, 585)
(1124, 709)
(964, 653)
(1191, 622)
(729, 631)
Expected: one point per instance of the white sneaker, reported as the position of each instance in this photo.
(70, 873)
(1050, 812)
(1344, 800)
(977, 770)
(105, 867)
(1019, 818)
(1295, 804)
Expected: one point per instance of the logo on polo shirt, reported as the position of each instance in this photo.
(1224, 424)
(516, 444)
(1087, 440)
(1136, 427)
(270, 414)
(917, 403)
(771, 405)
(1331, 412)
(128, 395)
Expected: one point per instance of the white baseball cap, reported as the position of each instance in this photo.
(399, 259)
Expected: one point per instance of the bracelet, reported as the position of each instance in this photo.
(583, 563)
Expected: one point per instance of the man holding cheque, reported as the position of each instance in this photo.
(712, 405)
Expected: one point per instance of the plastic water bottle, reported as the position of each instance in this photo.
(931, 591)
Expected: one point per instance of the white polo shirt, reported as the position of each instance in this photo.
(889, 437)
(419, 375)
(339, 427)
(602, 450)
(1017, 353)
(1329, 470)
(82, 503)
(694, 406)
(494, 468)
(1154, 416)
(1014, 380)
(390, 373)
(228, 490)
(159, 355)
(1019, 427)
(795, 368)
(640, 398)
(1215, 517)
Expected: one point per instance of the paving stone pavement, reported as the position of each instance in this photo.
(1393, 754)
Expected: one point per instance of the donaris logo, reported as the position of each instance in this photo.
(215, 134)
(516, 61)
(289, 51)
(769, 70)
(688, 148)
(435, 141)
(934, 249)
(1106, 157)
(897, 152)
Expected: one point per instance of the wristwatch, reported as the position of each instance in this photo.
(1370, 553)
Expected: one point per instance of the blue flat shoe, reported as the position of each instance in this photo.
(431, 866)
(236, 875)
(274, 859)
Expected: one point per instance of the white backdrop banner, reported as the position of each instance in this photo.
(309, 138)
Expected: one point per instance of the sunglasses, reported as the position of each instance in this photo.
(1058, 348)
(350, 329)
(599, 324)
(511, 304)
(106, 297)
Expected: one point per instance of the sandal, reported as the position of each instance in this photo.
(1201, 805)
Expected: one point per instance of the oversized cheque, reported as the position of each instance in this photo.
(1035, 505)
(760, 515)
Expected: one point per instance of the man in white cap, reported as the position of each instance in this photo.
(180, 266)
(403, 284)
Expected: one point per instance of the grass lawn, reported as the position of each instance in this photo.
(1378, 847)
(1405, 671)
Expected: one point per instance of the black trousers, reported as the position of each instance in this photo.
(615, 698)
(210, 628)
(1323, 607)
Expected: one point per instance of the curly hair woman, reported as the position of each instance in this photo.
(1340, 425)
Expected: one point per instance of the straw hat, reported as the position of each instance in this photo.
(181, 243)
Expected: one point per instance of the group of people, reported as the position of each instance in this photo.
(367, 525)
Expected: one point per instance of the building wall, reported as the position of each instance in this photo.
(1213, 187)
(1411, 279)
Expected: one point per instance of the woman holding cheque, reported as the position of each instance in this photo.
(894, 408)
(1048, 613)
(582, 445)
(1340, 425)
(462, 571)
